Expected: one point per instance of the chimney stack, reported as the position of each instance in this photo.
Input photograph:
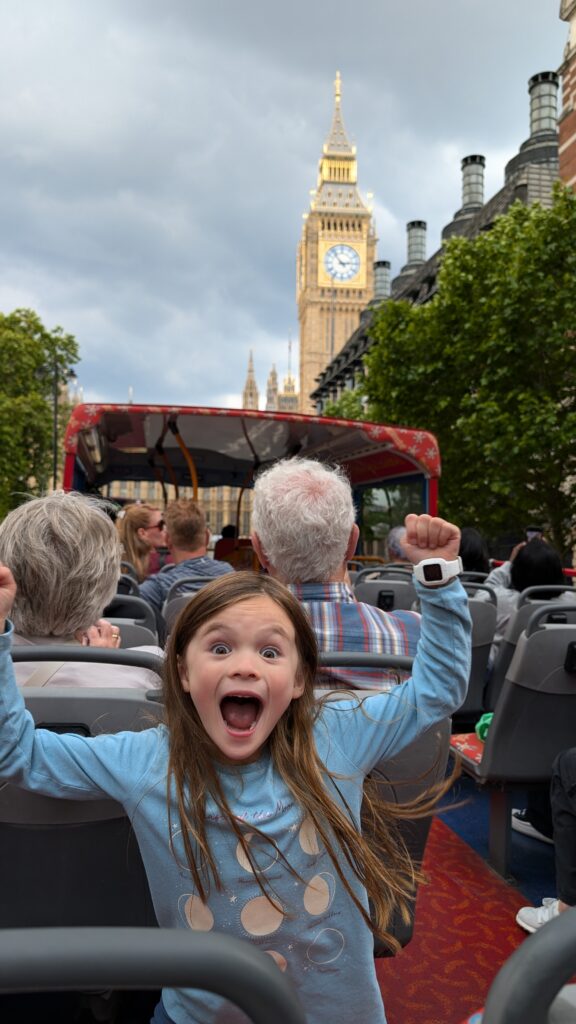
(381, 280)
(543, 89)
(416, 230)
(473, 182)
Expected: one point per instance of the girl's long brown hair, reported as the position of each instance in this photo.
(376, 856)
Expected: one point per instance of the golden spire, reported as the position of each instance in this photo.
(337, 141)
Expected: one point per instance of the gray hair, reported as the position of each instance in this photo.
(64, 553)
(303, 514)
(394, 543)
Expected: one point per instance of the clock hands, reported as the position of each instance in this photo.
(342, 262)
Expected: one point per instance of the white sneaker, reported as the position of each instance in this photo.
(532, 918)
(520, 823)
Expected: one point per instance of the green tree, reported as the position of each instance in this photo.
(489, 366)
(348, 407)
(35, 360)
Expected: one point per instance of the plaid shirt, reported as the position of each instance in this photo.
(341, 623)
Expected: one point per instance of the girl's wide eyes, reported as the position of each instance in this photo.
(220, 648)
(270, 652)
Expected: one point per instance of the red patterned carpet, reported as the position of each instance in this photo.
(464, 931)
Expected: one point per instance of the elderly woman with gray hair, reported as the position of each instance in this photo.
(64, 553)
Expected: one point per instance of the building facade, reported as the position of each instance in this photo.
(335, 278)
(529, 176)
(567, 120)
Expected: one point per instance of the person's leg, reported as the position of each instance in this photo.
(535, 820)
(563, 802)
(539, 811)
(563, 806)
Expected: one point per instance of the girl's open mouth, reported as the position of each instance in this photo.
(240, 712)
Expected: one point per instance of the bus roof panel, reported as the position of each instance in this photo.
(134, 442)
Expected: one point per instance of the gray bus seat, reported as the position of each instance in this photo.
(484, 615)
(386, 593)
(128, 585)
(75, 862)
(134, 634)
(468, 576)
(130, 606)
(389, 570)
(175, 601)
(93, 959)
(129, 569)
(534, 719)
(528, 989)
(529, 600)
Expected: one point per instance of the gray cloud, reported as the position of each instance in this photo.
(157, 159)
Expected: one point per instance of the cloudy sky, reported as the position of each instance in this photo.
(156, 158)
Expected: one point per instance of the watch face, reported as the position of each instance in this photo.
(342, 262)
(432, 573)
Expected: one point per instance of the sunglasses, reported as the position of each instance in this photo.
(157, 526)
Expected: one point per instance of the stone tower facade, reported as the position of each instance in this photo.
(272, 390)
(250, 394)
(567, 120)
(335, 274)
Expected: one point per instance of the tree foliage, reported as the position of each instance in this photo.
(349, 406)
(33, 358)
(489, 366)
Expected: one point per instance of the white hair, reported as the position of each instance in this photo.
(303, 514)
(64, 553)
(394, 542)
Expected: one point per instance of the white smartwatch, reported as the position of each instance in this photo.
(435, 572)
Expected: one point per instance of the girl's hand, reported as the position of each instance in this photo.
(430, 537)
(7, 595)
(103, 634)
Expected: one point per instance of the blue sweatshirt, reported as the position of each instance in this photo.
(319, 937)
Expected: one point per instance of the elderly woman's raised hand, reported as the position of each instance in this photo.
(7, 594)
(103, 634)
(430, 537)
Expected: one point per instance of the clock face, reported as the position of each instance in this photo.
(342, 262)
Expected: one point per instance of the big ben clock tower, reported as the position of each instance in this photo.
(335, 280)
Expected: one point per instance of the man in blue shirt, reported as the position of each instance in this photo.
(187, 538)
(304, 533)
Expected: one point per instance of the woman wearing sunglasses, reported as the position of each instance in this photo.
(143, 535)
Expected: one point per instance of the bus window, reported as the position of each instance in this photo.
(381, 508)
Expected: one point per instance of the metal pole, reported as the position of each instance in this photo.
(332, 324)
(55, 426)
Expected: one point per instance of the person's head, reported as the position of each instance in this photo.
(537, 564)
(64, 553)
(396, 552)
(186, 525)
(142, 528)
(473, 550)
(241, 665)
(229, 531)
(303, 521)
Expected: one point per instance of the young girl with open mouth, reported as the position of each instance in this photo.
(246, 803)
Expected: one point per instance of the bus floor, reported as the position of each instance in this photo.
(532, 861)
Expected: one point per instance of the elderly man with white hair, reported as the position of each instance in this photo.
(304, 533)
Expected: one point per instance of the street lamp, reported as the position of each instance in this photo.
(58, 378)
